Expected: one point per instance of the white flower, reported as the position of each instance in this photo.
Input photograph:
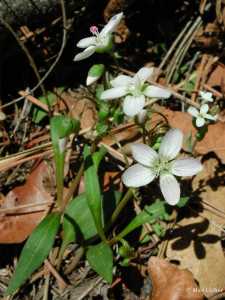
(163, 165)
(100, 41)
(135, 89)
(201, 115)
(206, 96)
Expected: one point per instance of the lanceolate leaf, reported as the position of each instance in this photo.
(93, 192)
(148, 215)
(35, 251)
(78, 220)
(100, 258)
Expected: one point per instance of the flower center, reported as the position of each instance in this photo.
(161, 165)
(135, 88)
(94, 30)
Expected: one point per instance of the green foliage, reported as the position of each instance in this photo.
(125, 250)
(96, 70)
(201, 132)
(150, 214)
(38, 113)
(93, 192)
(100, 258)
(189, 85)
(35, 251)
(61, 127)
(78, 220)
(183, 202)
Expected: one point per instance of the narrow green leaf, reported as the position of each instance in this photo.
(38, 113)
(78, 220)
(148, 215)
(93, 192)
(35, 251)
(61, 127)
(98, 156)
(100, 258)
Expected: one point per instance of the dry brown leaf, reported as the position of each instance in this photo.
(171, 283)
(217, 77)
(17, 225)
(81, 108)
(214, 139)
(196, 240)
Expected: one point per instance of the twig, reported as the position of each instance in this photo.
(62, 284)
(54, 63)
(175, 43)
(99, 280)
(34, 100)
(26, 51)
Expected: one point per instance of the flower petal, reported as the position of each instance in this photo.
(112, 24)
(193, 111)
(210, 117)
(137, 175)
(142, 116)
(186, 167)
(143, 74)
(91, 79)
(156, 92)
(114, 93)
(85, 54)
(170, 188)
(206, 96)
(121, 80)
(204, 109)
(171, 143)
(86, 42)
(144, 154)
(200, 121)
(133, 105)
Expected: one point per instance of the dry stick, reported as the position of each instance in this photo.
(207, 70)
(25, 50)
(199, 76)
(175, 43)
(54, 63)
(82, 296)
(62, 284)
(182, 49)
(25, 206)
(34, 100)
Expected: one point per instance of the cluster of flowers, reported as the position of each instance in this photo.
(134, 91)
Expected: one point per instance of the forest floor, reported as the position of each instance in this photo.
(181, 253)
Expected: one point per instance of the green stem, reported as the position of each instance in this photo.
(59, 159)
(121, 205)
(73, 187)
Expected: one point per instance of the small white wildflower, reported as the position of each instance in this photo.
(100, 41)
(201, 115)
(163, 165)
(135, 89)
(206, 96)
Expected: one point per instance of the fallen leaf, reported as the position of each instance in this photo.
(217, 76)
(80, 107)
(16, 223)
(171, 283)
(196, 240)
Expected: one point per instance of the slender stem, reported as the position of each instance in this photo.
(73, 187)
(121, 205)
(59, 177)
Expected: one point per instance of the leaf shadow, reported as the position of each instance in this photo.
(192, 235)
